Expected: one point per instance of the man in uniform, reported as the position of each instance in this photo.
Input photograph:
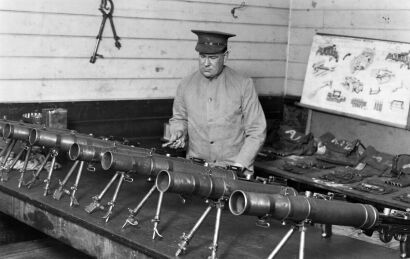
(216, 111)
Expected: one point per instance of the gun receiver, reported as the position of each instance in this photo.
(300, 208)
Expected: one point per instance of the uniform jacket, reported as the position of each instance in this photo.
(223, 118)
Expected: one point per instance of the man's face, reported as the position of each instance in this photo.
(211, 65)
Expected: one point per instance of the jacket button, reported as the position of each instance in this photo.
(211, 142)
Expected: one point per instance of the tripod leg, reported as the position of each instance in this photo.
(36, 174)
(114, 197)
(23, 170)
(282, 242)
(186, 238)
(6, 147)
(73, 199)
(214, 247)
(60, 190)
(5, 173)
(302, 241)
(132, 220)
(404, 246)
(54, 154)
(8, 152)
(95, 204)
(156, 219)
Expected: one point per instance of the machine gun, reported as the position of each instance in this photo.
(95, 153)
(14, 132)
(216, 190)
(61, 140)
(150, 165)
(297, 210)
(87, 153)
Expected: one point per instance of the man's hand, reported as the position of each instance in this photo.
(177, 140)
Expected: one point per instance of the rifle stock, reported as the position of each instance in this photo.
(300, 208)
(211, 186)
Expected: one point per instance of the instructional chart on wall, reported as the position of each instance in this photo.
(364, 77)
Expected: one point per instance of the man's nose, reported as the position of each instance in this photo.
(207, 62)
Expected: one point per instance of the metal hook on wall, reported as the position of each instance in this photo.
(243, 4)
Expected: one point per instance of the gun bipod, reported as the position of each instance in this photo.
(132, 217)
(95, 204)
(6, 170)
(186, 238)
(37, 173)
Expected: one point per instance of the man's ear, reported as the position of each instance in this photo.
(226, 56)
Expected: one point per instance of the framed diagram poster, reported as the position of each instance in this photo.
(367, 78)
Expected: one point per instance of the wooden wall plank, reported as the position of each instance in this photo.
(269, 86)
(265, 3)
(84, 90)
(27, 68)
(158, 9)
(296, 70)
(304, 36)
(294, 87)
(299, 53)
(369, 19)
(372, 19)
(82, 47)
(69, 25)
(351, 4)
(107, 89)
(49, 42)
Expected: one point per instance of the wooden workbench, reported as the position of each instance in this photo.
(239, 237)
(311, 180)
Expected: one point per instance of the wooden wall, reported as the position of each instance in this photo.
(381, 19)
(45, 47)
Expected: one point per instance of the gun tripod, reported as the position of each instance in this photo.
(60, 191)
(186, 238)
(7, 151)
(300, 226)
(53, 153)
(96, 203)
(132, 217)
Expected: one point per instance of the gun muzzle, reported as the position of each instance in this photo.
(85, 153)
(18, 130)
(300, 208)
(213, 187)
(141, 163)
(2, 124)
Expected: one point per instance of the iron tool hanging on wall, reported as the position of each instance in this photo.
(107, 9)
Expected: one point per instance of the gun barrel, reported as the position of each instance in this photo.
(54, 138)
(210, 186)
(18, 130)
(149, 163)
(85, 153)
(300, 208)
(138, 162)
